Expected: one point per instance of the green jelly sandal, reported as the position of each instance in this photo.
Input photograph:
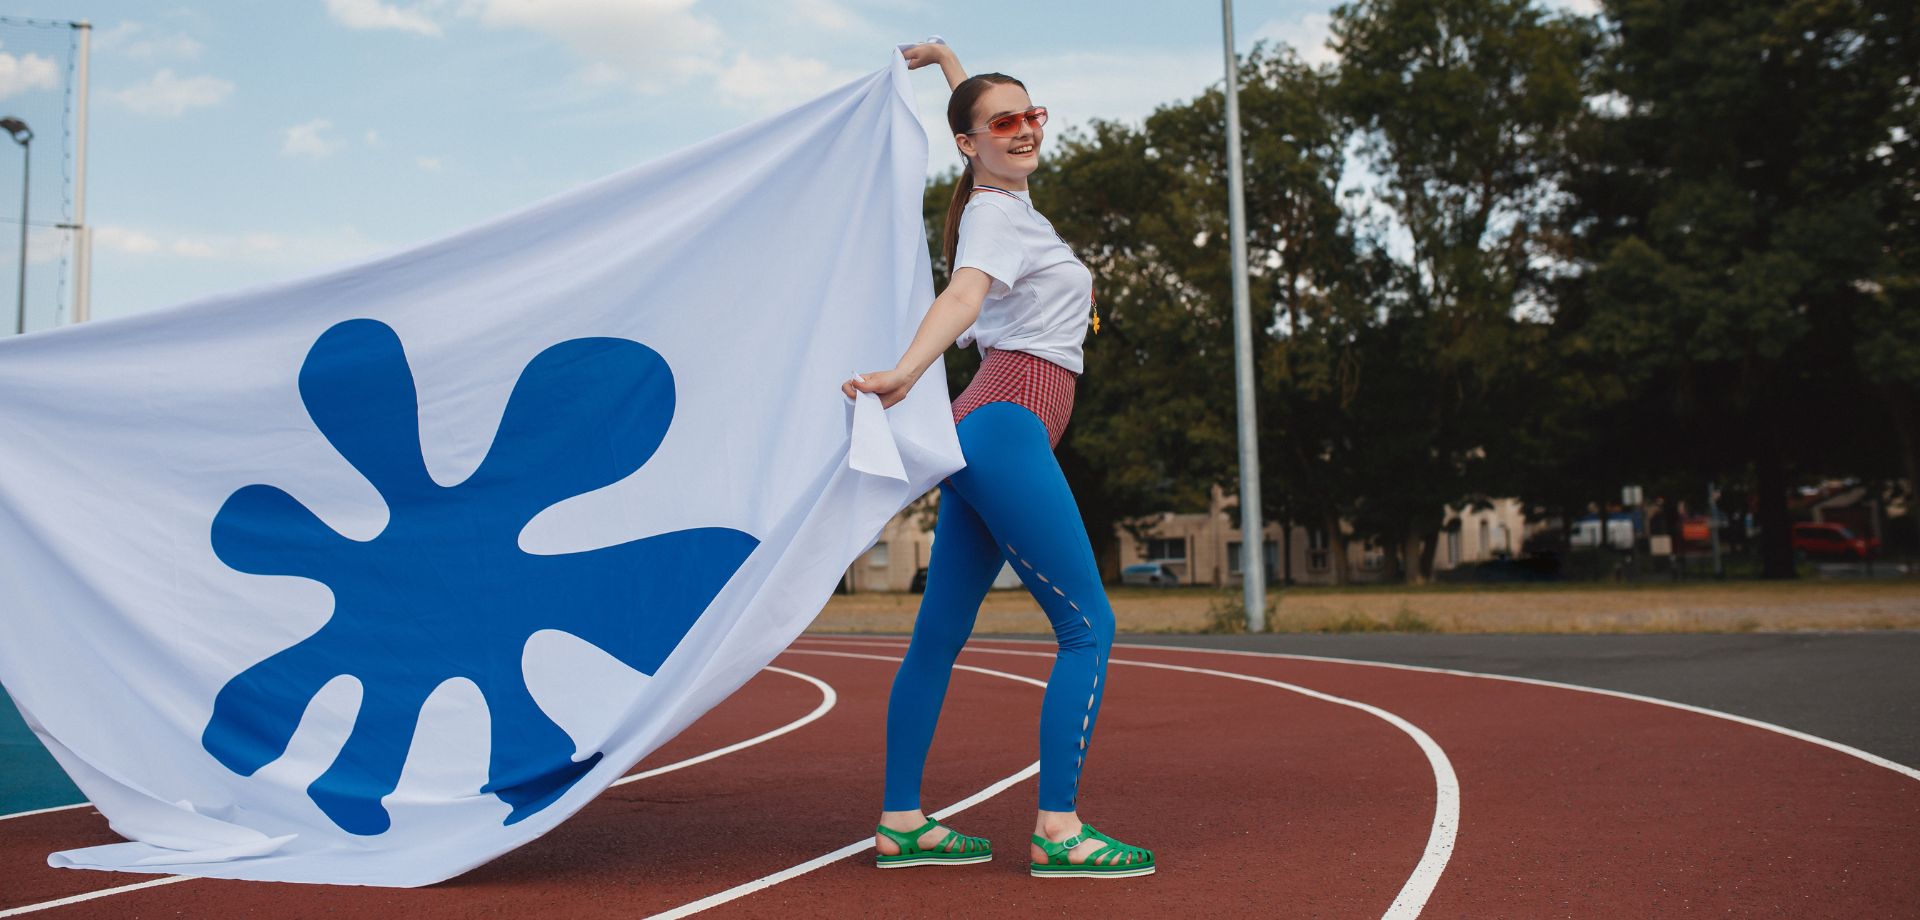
(955, 849)
(1115, 860)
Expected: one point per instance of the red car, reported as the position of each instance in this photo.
(1695, 529)
(1815, 539)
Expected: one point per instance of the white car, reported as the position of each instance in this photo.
(1155, 574)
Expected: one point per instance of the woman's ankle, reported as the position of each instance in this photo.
(1057, 825)
(903, 821)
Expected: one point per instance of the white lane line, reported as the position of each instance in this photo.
(104, 892)
(791, 872)
(1875, 759)
(1446, 810)
(827, 701)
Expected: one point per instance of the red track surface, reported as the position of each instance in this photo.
(1259, 801)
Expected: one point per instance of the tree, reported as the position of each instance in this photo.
(1462, 107)
(1730, 212)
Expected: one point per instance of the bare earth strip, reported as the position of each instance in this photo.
(1578, 608)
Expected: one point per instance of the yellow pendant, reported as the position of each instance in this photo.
(1096, 320)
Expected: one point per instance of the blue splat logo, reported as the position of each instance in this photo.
(445, 590)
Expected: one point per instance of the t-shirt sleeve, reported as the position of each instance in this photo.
(990, 242)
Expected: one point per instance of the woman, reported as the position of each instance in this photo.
(1017, 291)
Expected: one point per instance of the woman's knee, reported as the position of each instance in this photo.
(1084, 626)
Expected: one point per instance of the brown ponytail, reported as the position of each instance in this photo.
(960, 118)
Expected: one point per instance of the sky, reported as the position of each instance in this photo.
(234, 143)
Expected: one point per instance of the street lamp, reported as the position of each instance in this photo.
(23, 136)
(1253, 545)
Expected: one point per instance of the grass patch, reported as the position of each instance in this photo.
(1403, 620)
(1227, 613)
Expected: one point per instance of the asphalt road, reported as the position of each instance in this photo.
(1858, 688)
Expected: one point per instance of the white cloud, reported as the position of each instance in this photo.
(1307, 35)
(308, 139)
(766, 84)
(254, 246)
(167, 96)
(372, 14)
(133, 40)
(650, 44)
(122, 239)
(829, 15)
(372, 138)
(26, 72)
(430, 164)
(194, 249)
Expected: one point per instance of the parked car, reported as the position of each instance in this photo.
(1818, 539)
(1155, 574)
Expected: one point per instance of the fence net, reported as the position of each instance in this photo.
(37, 88)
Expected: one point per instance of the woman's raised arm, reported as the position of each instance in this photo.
(926, 53)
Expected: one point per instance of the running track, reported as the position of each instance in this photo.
(1268, 785)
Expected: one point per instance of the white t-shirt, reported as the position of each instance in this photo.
(1041, 295)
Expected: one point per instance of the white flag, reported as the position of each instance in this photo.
(372, 577)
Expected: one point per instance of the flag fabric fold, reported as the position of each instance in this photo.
(371, 577)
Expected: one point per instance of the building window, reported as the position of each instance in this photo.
(1453, 547)
(1316, 538)
(1317, 560)
(1174, 549)
(1233, 556)
(877, 557)
(1486, 546)
(1372, 559)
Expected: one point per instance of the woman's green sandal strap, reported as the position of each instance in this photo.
(955, 849)
(1114, 860)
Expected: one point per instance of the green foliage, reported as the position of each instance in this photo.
(1732, 212)
(1498, 251)
(1461, 107)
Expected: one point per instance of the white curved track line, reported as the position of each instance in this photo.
(1875, 759)
(791, 872)
(104, 892)
(1446, 809)
(828, 700)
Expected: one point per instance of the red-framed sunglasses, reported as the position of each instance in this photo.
(1009, 125)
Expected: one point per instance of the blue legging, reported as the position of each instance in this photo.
(1010, 504)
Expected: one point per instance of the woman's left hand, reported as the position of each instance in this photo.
(921, 55)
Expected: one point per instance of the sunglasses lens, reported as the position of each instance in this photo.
(1009, 125)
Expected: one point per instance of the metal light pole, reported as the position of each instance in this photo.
(1713, 529)
(1253, 545)
(82, 234)
(23, 136)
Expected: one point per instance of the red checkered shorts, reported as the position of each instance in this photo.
(1045, 388)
